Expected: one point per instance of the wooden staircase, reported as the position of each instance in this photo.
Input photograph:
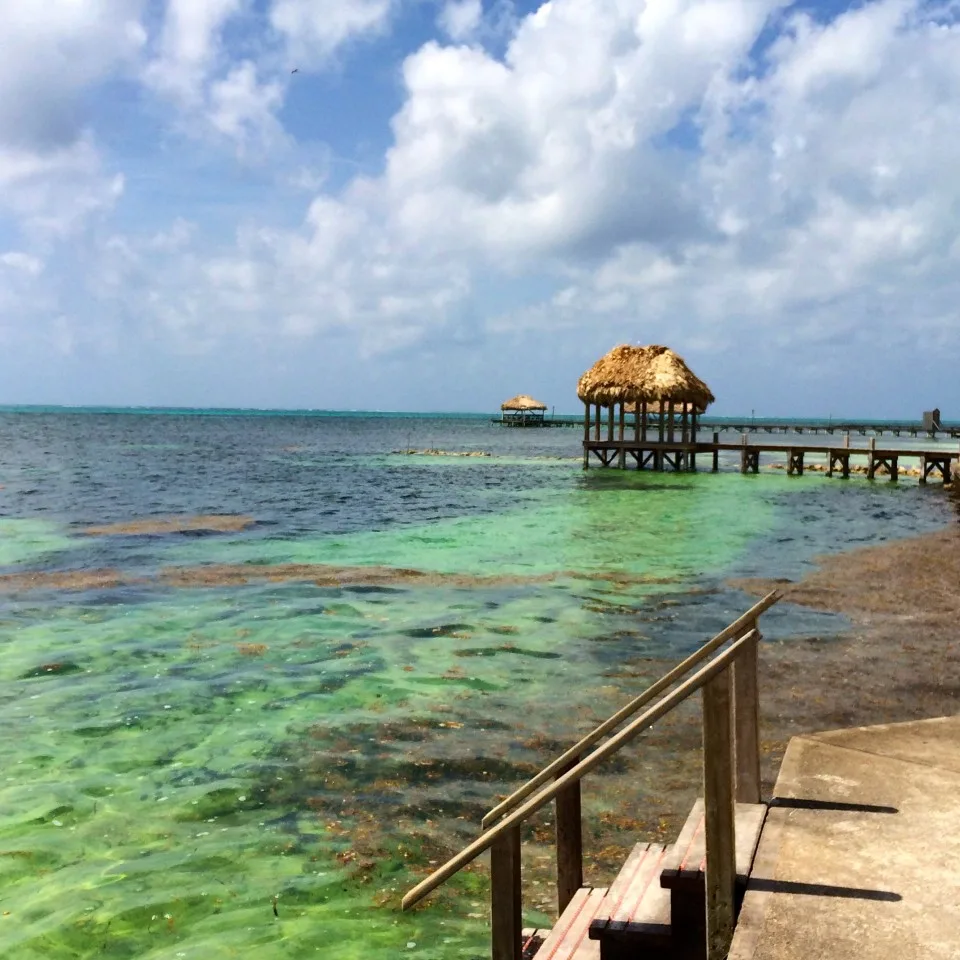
(656, 906)
(676, 902)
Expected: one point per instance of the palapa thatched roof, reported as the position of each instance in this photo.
(661, 407)
(522, 402)
(633, 374)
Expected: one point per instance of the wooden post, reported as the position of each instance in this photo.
(693, 437)
(670, 421)
(716, 452)
(846, 439)
(636, 424)
(685, 423)
(610, 422)
(872, 466)
(596, 430)
(622, 459)
(586, 435)
(661, 422)
(505, 912)
(569, 833)
(643, 435)
(746, 713)
(719, 822)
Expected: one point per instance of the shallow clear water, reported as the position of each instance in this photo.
(181, 749)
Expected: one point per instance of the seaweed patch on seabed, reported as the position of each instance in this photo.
(323, 575)
(362, 797)
(158, 526)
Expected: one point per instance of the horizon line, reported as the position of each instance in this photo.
(171, 409)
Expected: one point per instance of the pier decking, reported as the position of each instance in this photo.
(863, 428)
(894, 428)
(682, 456)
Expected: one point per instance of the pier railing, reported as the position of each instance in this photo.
(731, 764)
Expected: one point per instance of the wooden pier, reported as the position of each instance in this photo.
(895, 428)
(536, 422)
(863, 428)
(682, 456)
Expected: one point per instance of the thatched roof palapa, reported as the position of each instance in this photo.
(522, 402)
(657, 406)
(636, 374)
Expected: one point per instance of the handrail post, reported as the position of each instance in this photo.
(505, 896)
(569, 832)
(551, 770)
(506, 870)
(746, 713)
(719, 815)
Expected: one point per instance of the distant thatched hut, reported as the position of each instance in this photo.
(662, 394)
(522, 411)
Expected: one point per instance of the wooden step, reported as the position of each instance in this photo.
(568, 939)
(635, 914)
(531, 939)
(684, 875)
(685, 866)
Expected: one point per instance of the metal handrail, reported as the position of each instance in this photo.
(667, 680)
(694, 683)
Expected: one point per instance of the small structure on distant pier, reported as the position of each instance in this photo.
(522, 411)
(661, 395)
(931, 421)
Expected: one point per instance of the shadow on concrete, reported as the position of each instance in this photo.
(822, 890)
(799, 803)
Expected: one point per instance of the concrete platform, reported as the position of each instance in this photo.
(860, 855)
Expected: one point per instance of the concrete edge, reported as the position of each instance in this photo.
(753, 913)
(828, 736)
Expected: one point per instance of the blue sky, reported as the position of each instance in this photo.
(452, 201)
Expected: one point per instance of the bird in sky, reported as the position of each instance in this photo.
(295, 70)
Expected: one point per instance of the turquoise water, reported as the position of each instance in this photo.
(251, 742)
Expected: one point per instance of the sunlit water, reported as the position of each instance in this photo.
(179, 758)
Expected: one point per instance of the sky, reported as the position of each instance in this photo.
(437, 204)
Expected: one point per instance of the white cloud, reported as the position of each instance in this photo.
(190, 47)
(238, 98)
(51, 194)
(820, 183)
(460, 19)
(52, 53)
(51, 172)
(22, 262)
(314, 29)
(627, 158)
(243, 109)
(214, 93)
(540, 159)
(339, 273)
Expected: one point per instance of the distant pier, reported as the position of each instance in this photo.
(895, 428)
